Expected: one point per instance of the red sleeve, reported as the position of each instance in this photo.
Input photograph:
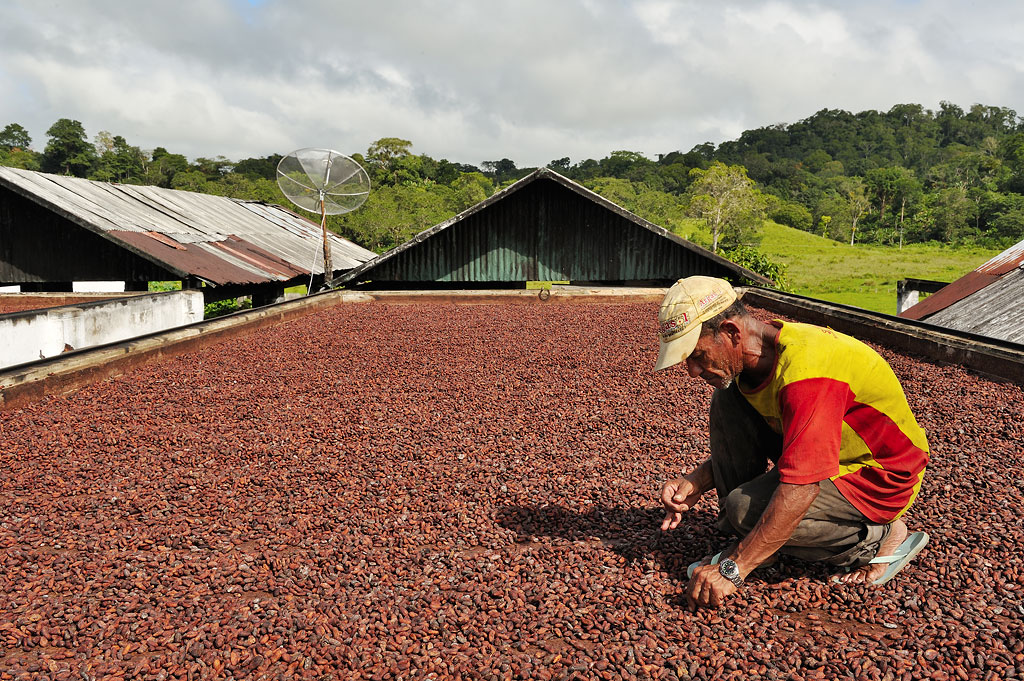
(812, 428)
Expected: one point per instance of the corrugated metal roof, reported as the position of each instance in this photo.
(947, 295)
(516, 244)
(981, 278)
(994, 311)
(218, 239)
(1008, 260)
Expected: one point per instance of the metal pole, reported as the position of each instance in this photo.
(328, 269)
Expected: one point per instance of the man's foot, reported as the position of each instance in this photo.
(872, 571)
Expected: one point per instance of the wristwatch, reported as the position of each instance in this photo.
(728, 569)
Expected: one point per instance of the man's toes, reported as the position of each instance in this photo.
(858, 576)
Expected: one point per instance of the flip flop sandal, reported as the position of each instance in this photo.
(910, 547)
(693, 566)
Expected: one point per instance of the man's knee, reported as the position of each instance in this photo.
(739, 511)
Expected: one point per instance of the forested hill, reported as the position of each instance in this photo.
(907, 174)
(954, 175)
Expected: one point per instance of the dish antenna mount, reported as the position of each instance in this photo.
(323, 181)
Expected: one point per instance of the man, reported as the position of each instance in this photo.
(830, 414)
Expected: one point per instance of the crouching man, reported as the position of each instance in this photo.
(830, 414)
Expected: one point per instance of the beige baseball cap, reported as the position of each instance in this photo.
(687, 304)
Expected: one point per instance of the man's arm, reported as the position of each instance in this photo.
(786, 509)
(680, 494)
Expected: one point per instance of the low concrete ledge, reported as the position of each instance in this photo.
(554, 294)
(11, 303)
(31, 335)
(67, 372)
(993, 357)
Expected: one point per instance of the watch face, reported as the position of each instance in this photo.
(728, 569)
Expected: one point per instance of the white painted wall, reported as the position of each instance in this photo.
(30, 336)
(906, 299)
(97, 286)
(79, 287)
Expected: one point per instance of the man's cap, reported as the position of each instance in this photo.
(687, 304)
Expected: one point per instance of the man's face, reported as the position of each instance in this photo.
(713, 361)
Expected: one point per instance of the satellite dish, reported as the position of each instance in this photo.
(323, 181)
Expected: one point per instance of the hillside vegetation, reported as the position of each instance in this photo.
(863, 275)
(868, 198)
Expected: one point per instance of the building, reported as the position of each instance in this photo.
(55, 230)
(544, 227)
(985, 301)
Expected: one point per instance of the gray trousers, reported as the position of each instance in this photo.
(832, 530)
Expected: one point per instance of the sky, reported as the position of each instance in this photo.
(472, 81)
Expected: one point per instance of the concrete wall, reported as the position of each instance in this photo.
(35, 335)
(23, 302)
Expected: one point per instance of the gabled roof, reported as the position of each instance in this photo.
(217, 239)
(985, 301)
(741, 274)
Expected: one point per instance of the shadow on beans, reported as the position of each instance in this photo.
(633, 533)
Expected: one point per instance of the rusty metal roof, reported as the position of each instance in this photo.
(993, 311)
(217, 239)
(543, 236)
(983, 301)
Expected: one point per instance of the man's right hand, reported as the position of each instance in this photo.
(678, 496)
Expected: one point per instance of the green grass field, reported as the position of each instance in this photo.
(862, 275)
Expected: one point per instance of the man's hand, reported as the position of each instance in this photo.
(707, 588)
(678, 496)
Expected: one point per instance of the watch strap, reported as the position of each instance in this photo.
(728, 569)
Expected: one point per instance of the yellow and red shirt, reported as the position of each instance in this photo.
(843, 416)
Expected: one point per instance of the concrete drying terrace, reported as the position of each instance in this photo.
(439, 491)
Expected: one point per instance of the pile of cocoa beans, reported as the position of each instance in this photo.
(463, 492)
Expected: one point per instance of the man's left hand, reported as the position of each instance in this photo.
(708, 588)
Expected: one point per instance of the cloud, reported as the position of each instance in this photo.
(531, 80)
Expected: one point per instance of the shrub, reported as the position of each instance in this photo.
(792, 215)
(756, 261)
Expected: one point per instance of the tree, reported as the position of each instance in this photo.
(383, 156)
(1012, 151)
(19, 158)
(560, 165)
(13, 136)
(213, 168)
(255, 168)
(502, 170)
(661, 208)
(68, 151)
(881, 186)
(118, 161)
(446, 172)
(859, 203)
(164, 166)
(393, 214)
(191, 180)
(791, 214)
(470, 189)
(952, 211)
(851, 205)
(907, 192)
(1003, 215)
(625, 164)
(825, 221)
(617, 190)
(727, 200)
